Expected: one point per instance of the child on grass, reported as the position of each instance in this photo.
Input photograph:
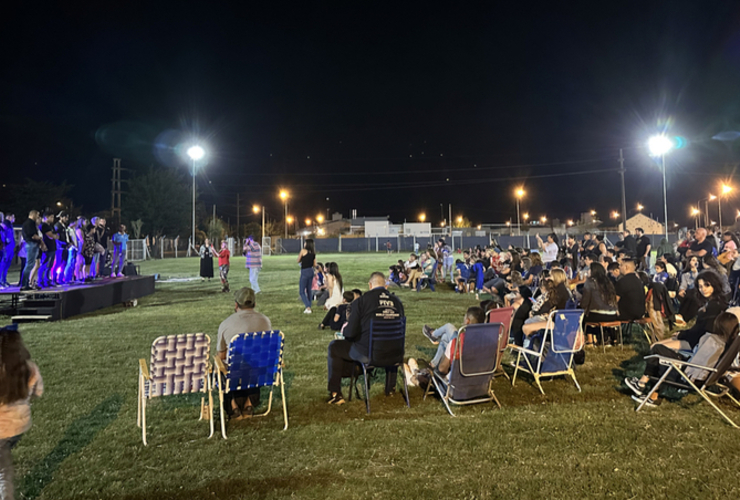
(20, 381)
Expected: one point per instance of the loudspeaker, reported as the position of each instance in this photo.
(130, 270)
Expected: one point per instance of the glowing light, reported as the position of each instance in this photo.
(726, 189)
(284, 194)
(508, 223)
(639, 207)
(290, 220)
(695, 211)
(321, 231)
(255, 209)
(442, 224)
(519, 193)
(543, 219)
(479, 226)
(615, 214)
(593, 213)
(459, 219)
(320, 219)
(570, 222)
(422, 217)
(525, 216)
(59, 203)
(196, 152)
(308, 222)
(712, 197)
(660, 145)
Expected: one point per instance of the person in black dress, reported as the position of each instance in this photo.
(206, 261)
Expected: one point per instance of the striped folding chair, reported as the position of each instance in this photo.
(563, 337)
(503, 315)
(178, 365)
(253, 360)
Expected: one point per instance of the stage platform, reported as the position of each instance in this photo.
(51, 304)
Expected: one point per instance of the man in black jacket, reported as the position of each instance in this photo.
(343, 354)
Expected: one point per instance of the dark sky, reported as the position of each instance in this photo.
(376, 106)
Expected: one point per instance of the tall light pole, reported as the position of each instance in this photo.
(195, 153)
(256, 209)
(284, 195)
(660, 145)
(519, 193)
(725, 189)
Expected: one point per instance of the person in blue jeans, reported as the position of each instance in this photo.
(120, 241)
(8, 252)
(443, 335)
(307, 260)
(33, 240)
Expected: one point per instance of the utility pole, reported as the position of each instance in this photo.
(624, 197)
(237, 216)
(450, 208)
(115, 194)
(214, 215)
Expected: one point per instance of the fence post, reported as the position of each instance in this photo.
(175, 247)
(340, 243)
(161, 248)
(376, 243)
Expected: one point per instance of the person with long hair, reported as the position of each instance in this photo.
(206, 260)
(720, 333)
(599, 300)
(307, 260)
(20, 381)
(714, 301)
(556, 297)
(335, 285)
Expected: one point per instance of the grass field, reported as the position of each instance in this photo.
(85, 444)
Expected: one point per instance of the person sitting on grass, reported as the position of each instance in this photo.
(720, 334)
(427, 266)
(240, 404)
(19, 383)
(413, 271)
(463, 274)
(442, 337)
(336, 316)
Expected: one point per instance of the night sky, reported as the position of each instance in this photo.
(376, 107)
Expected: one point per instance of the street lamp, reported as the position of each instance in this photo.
(660, 145)
(570, 223)
(459, 220)
(725, 190)
(284, 195)
(320, 219)
(422, 217)
(308, 222)
(519, 193)
(195, 153)
(256, 209)
(543, 219)
(288, 221)
(640, 207)
(695, 213)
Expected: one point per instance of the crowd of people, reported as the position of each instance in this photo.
(54, 251)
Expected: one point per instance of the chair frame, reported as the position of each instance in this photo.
(502, 346)
(616, 324)
(145, 376)
(440, 382)
(366, 366)
(540, 355)
(679, 366)
(222, 372)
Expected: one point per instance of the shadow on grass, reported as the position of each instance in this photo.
(243, 488)
(78, 435)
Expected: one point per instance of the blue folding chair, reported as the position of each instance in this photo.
(472, 367)
(563, 337)
(254, 360)
(430, 281)
(386, 346)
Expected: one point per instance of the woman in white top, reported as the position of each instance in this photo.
(335, 286)
(549, 249)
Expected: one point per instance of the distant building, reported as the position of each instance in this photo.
(647, 224)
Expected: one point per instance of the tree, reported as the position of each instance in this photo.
(161, 199)
(32, 195)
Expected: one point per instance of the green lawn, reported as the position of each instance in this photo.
(84, 443)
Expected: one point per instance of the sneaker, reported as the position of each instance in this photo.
(120, 275)
(428, 333)
(648, 402)
(307, 310)
(634, 384)
(336, 399)
(112, 275)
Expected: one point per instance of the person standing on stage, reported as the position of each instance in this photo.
(45, 277)
(206, 261)
(253, 252)
(73, 248)
(101, 242)
(8, 252)
(224, 264)
(120, 242)
(34, 243)
(60, 259)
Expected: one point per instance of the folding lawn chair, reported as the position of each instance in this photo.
(429, 281)
(503, 315)
(254, 360)
(387, 345)
(179, 365)
(475, 354)
(715, 374)
(563, 337)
